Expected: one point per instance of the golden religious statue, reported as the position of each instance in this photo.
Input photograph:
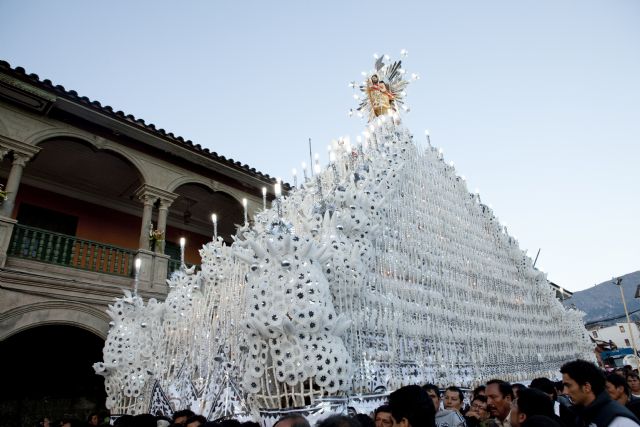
(380, 97)
(382, 92)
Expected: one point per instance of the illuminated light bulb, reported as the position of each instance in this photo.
(364, 73)
(316, 156)
(426, 132)
(277, 189)
(360, 114)
(404, 53)
(294, 171)
(304, 166)
(316, 168)
(477, 191)
(463, 177)
(386, 57)
(332, 156)
(358, 139)
(264, 191)
(183, 241)
(376, 56)
(402, 71)
(440, 150)
(356, 96)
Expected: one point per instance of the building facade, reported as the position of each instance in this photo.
(90, 189)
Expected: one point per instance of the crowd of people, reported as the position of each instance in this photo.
(585, 397)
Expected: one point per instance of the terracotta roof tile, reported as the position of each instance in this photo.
(108, 110)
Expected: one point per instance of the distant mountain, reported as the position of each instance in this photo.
(602, 303)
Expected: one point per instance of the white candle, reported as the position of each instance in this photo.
(264, 198)
(244, 205)
(183, 242)
(277, 189)
(136, 276)
(214, 219)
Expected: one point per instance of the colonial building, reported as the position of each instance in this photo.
(88, 190)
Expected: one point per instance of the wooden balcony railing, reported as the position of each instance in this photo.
(70, 251)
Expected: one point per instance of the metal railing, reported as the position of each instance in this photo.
(70, 251)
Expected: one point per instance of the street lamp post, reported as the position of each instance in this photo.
(618, 282)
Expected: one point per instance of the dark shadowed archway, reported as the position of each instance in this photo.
(47, 371)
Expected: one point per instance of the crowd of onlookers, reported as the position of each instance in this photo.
(585, 397)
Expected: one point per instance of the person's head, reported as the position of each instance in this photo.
(433, 391)
(516, 389)
(634, 382)
(382, 416)
(479, 391)
(478, 408)
(530, 402)
(617, 388)
(411, 406)
(364, 420)
(582, 380)
(181, 417)
(144, 420)
(196, 421)
(499, 398)
(453, 398)
(374, 79)
(338, 421)
(93, 419)
(292, 420)
(546, 386)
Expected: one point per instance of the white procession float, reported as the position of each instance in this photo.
(379, 271)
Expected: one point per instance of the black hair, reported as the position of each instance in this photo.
(364, 420)
(144, 420)
(383, 408)
(532, 401)
(584, 372)
(503, 387)
(300, 420)
(480, 397)
(456, 390)
(478, 389)
(183, 413)
(618, 381)
(433, 387)
(338, 421)
(545, 385)
(198, 418)
(413, 403)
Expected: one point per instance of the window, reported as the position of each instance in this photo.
(626, 342)
(621, 329)
(595, 334)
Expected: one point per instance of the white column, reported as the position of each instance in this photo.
(13, 183)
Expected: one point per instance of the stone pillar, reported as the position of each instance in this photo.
(6, 229)
(13, 183)
(163, 211)
(146, 220)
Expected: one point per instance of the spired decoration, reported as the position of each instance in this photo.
(381, 271)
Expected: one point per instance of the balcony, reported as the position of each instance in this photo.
(76, 266)
(69, 251)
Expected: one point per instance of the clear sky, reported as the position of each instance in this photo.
(536, 102)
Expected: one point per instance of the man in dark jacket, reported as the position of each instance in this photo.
(585, 384)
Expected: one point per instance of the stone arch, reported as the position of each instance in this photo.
(60, 312)
(198, 180)
(97, 143)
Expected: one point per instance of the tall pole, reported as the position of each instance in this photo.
(626, 312)
(310, 158)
